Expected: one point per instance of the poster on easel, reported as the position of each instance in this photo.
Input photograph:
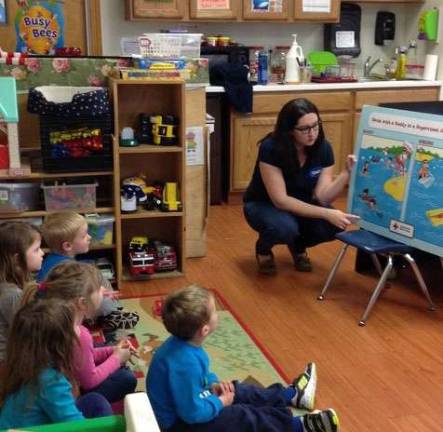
(39, 26)
(397, 184)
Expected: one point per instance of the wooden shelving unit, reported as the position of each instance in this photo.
(156, 163)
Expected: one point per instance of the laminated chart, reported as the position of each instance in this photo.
(397, 185)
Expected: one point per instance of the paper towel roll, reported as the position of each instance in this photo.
(431, 64)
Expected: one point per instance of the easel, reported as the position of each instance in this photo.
(9, 123)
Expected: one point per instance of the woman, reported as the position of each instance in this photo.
(288, 199)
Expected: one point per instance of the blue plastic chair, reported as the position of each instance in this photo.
(375, 244)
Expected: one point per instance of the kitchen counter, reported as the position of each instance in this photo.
(335, 86)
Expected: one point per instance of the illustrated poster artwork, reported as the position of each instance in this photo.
(194, 146)
(397, 184)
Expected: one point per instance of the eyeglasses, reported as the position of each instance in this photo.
(306, 129)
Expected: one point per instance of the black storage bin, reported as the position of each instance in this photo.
(89, 108)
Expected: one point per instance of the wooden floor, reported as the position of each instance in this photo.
(387, 376)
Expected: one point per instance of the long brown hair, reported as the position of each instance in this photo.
(287, 119)
(15, 239)
(71, 280)
(42, 336)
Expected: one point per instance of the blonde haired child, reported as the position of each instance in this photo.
(101, 369)
(37, 387)
(66, 234)
(20, 255)
(187, 396)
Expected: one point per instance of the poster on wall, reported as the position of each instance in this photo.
(39, 26)
(397, 184)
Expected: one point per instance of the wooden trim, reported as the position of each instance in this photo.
(94, 27)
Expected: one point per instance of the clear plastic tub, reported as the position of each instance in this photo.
(170, 45)
(72, 196)
(101, 229)
(18, 197)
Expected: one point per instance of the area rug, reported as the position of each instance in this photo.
(234, 351)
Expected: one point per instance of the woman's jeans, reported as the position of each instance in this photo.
(275, 226)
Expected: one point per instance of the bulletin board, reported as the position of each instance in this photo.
(397, 185)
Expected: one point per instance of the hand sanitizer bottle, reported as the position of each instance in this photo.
(294, 59)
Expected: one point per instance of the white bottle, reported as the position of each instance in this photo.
(294, 59)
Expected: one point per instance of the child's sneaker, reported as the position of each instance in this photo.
(305, 386)
(118, 319)
(321, 421)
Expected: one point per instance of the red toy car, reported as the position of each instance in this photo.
(166, 258)
(141, 263)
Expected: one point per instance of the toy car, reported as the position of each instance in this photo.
(106, 268)
(138, 244)
(166, 258)
(141, 263)
(164, 129)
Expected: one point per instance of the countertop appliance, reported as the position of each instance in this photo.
(225, 54)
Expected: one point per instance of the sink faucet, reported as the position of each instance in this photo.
(367, 67)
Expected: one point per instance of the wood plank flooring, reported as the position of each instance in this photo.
(387, 376)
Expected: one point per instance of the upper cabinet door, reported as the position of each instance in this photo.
(262, 10)
(214, 9)
(315, 10)
(139, 9)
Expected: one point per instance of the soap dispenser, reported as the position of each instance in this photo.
(294, 59)
(384, 28)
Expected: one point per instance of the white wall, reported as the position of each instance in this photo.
(310, 36)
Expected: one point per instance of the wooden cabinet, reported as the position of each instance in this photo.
(154, 162)
(228, 10)
(274, 11)
(140, 9)
(223, 10)
(376, 97)
(246, 131)
(300, 14)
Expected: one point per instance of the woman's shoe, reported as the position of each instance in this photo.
(266, 264)
(302, 262)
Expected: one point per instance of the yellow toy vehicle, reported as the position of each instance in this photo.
(138, 244)
(164, 129)
(171, 197)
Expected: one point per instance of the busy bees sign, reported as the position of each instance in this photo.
(39, 26)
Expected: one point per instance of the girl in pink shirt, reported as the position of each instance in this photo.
(101, 370)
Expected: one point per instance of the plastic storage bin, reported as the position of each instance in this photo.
(170, 45)
(70, 196)
(18, 197)
(101, 229)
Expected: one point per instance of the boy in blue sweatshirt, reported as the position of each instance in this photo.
(66, 235)
(187, 396)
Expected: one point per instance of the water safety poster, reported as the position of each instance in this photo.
(397, 185)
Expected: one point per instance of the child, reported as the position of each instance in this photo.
(37, 386)
(186, 396)
(20, 255)
(66, 234)
(96, 369)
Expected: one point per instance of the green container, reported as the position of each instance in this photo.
(101, 424)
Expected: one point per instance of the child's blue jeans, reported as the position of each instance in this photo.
(117, 385)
